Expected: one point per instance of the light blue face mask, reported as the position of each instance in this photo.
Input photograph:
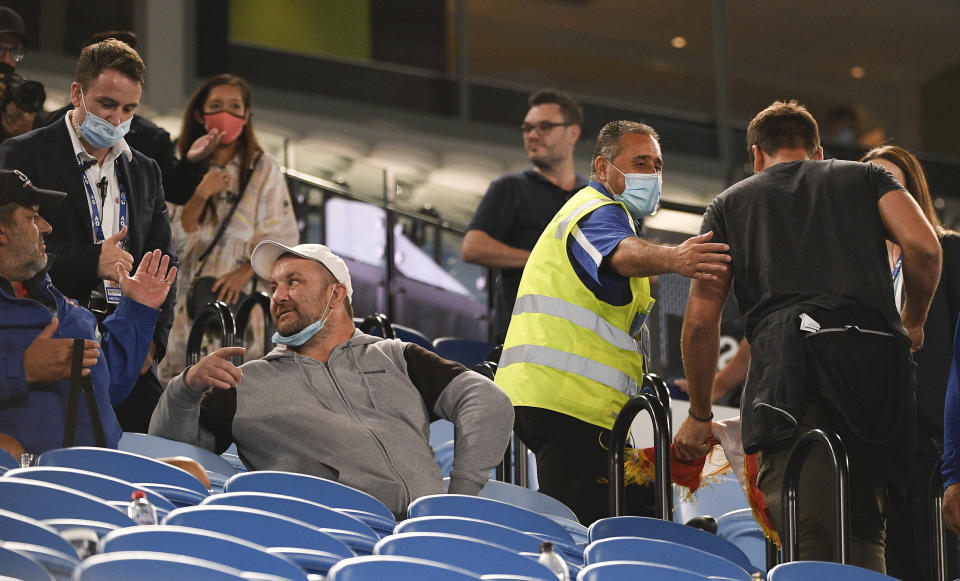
(641, 192)
(99, 132)
(307, 333)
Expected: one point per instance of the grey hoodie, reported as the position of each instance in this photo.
(362, 418)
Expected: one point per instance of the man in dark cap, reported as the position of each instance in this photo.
(14, 120)
(51, 347)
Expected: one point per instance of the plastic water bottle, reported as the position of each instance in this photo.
(141, 510)
(553, 561)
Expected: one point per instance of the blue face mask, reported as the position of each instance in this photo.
(99, 132)
(307, 333)
(641, 192)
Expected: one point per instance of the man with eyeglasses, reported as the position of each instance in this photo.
(518, 206)
(14, 120)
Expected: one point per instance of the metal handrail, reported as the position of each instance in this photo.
(243, 317)
(938, 538)
(380, 321)
(661, 453)
(214, 312)
(791, 484)
(659, 387)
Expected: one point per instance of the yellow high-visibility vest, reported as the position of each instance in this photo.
(566, 350)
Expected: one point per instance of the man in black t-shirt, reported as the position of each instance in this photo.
(518, 206)
(828, 348)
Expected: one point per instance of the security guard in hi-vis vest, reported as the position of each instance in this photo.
(575, 349)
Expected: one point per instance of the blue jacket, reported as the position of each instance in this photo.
(35, 414)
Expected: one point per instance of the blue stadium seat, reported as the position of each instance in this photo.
(651, 528)
(469, 352)
(740, 528)
(663, 553)
(714, 498)
(362, 537)
(23, 529)
(43, 501)
(820, 570)
(218, 469)
(19, 566)
(411, 335)
(497, 512)
(150, 566)
(100, 485)
(7, 461)
(202, 544)
(479, 557)
(396, 568)
(634, 570)
(309, 547)
(57, 563)
(132, 468)
(320, 490)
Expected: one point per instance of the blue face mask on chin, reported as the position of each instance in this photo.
(301, 337)
(99, 132)
(641, 192)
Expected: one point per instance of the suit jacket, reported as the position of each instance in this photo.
(46, 156)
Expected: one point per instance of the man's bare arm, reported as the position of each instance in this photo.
(696, 257)
(483, 249)
(921, 257)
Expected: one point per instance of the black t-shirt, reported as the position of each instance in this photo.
(804, 230)
(515, 210)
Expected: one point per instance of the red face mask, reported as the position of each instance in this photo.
(229, 124)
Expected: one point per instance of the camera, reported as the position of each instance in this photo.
(29, 96)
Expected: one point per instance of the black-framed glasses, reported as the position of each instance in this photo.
(541, 128)
(15, 51)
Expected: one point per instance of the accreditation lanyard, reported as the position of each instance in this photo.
(95, 208)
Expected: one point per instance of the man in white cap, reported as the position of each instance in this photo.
(333, 402)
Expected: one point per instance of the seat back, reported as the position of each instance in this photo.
(652, 528)
(23, 529)
(57, 563)
(125, 465)
(152, 566)
(526, 498)
(468, 352)
(634, 570)
(805, 570)
(396, 568)
(715, 498)
(476, 556)
(157, 447)
(411, 335)
(740, 528)
(202, 544)
(100, 485)
(664, 553)
(312, 513)
(43, 501)
(7, 461)
(313, 488)
(19, 566)
(473, 528)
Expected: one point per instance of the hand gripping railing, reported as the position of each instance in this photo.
(661, 453)
(214, 312)
(791, 483)
(243, 317)
(938, 539)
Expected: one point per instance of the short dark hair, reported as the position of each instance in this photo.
(611, 135)
(110, 54)
(127, 36)
(571, 110)
(783, 125)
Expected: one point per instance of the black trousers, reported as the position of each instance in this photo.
(572, 463)
(134, 412)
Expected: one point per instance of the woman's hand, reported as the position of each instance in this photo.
(229, 286)
(213, 182)
(204, 146)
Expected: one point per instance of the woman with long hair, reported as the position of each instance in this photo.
(241, 200)
(908, 539)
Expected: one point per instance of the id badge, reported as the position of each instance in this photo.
(113, 292)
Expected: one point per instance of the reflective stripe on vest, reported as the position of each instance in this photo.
(570, 363)
(580, 316)
(562, 226)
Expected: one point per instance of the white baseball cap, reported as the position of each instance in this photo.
(268, 251)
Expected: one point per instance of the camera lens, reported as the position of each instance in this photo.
(30, 96)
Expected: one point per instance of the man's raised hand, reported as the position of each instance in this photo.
(152, 281)
(111, 255)
(697, 257)
(215, 370)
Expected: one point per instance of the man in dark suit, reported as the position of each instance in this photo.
(115, 210)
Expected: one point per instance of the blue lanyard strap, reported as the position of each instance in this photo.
(95, 209)
(897, 265)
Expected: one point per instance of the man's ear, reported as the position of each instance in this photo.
(575, 132)
(75, 94)
(600, 169)
(758, 161)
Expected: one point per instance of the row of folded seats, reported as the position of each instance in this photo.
(65, 518)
